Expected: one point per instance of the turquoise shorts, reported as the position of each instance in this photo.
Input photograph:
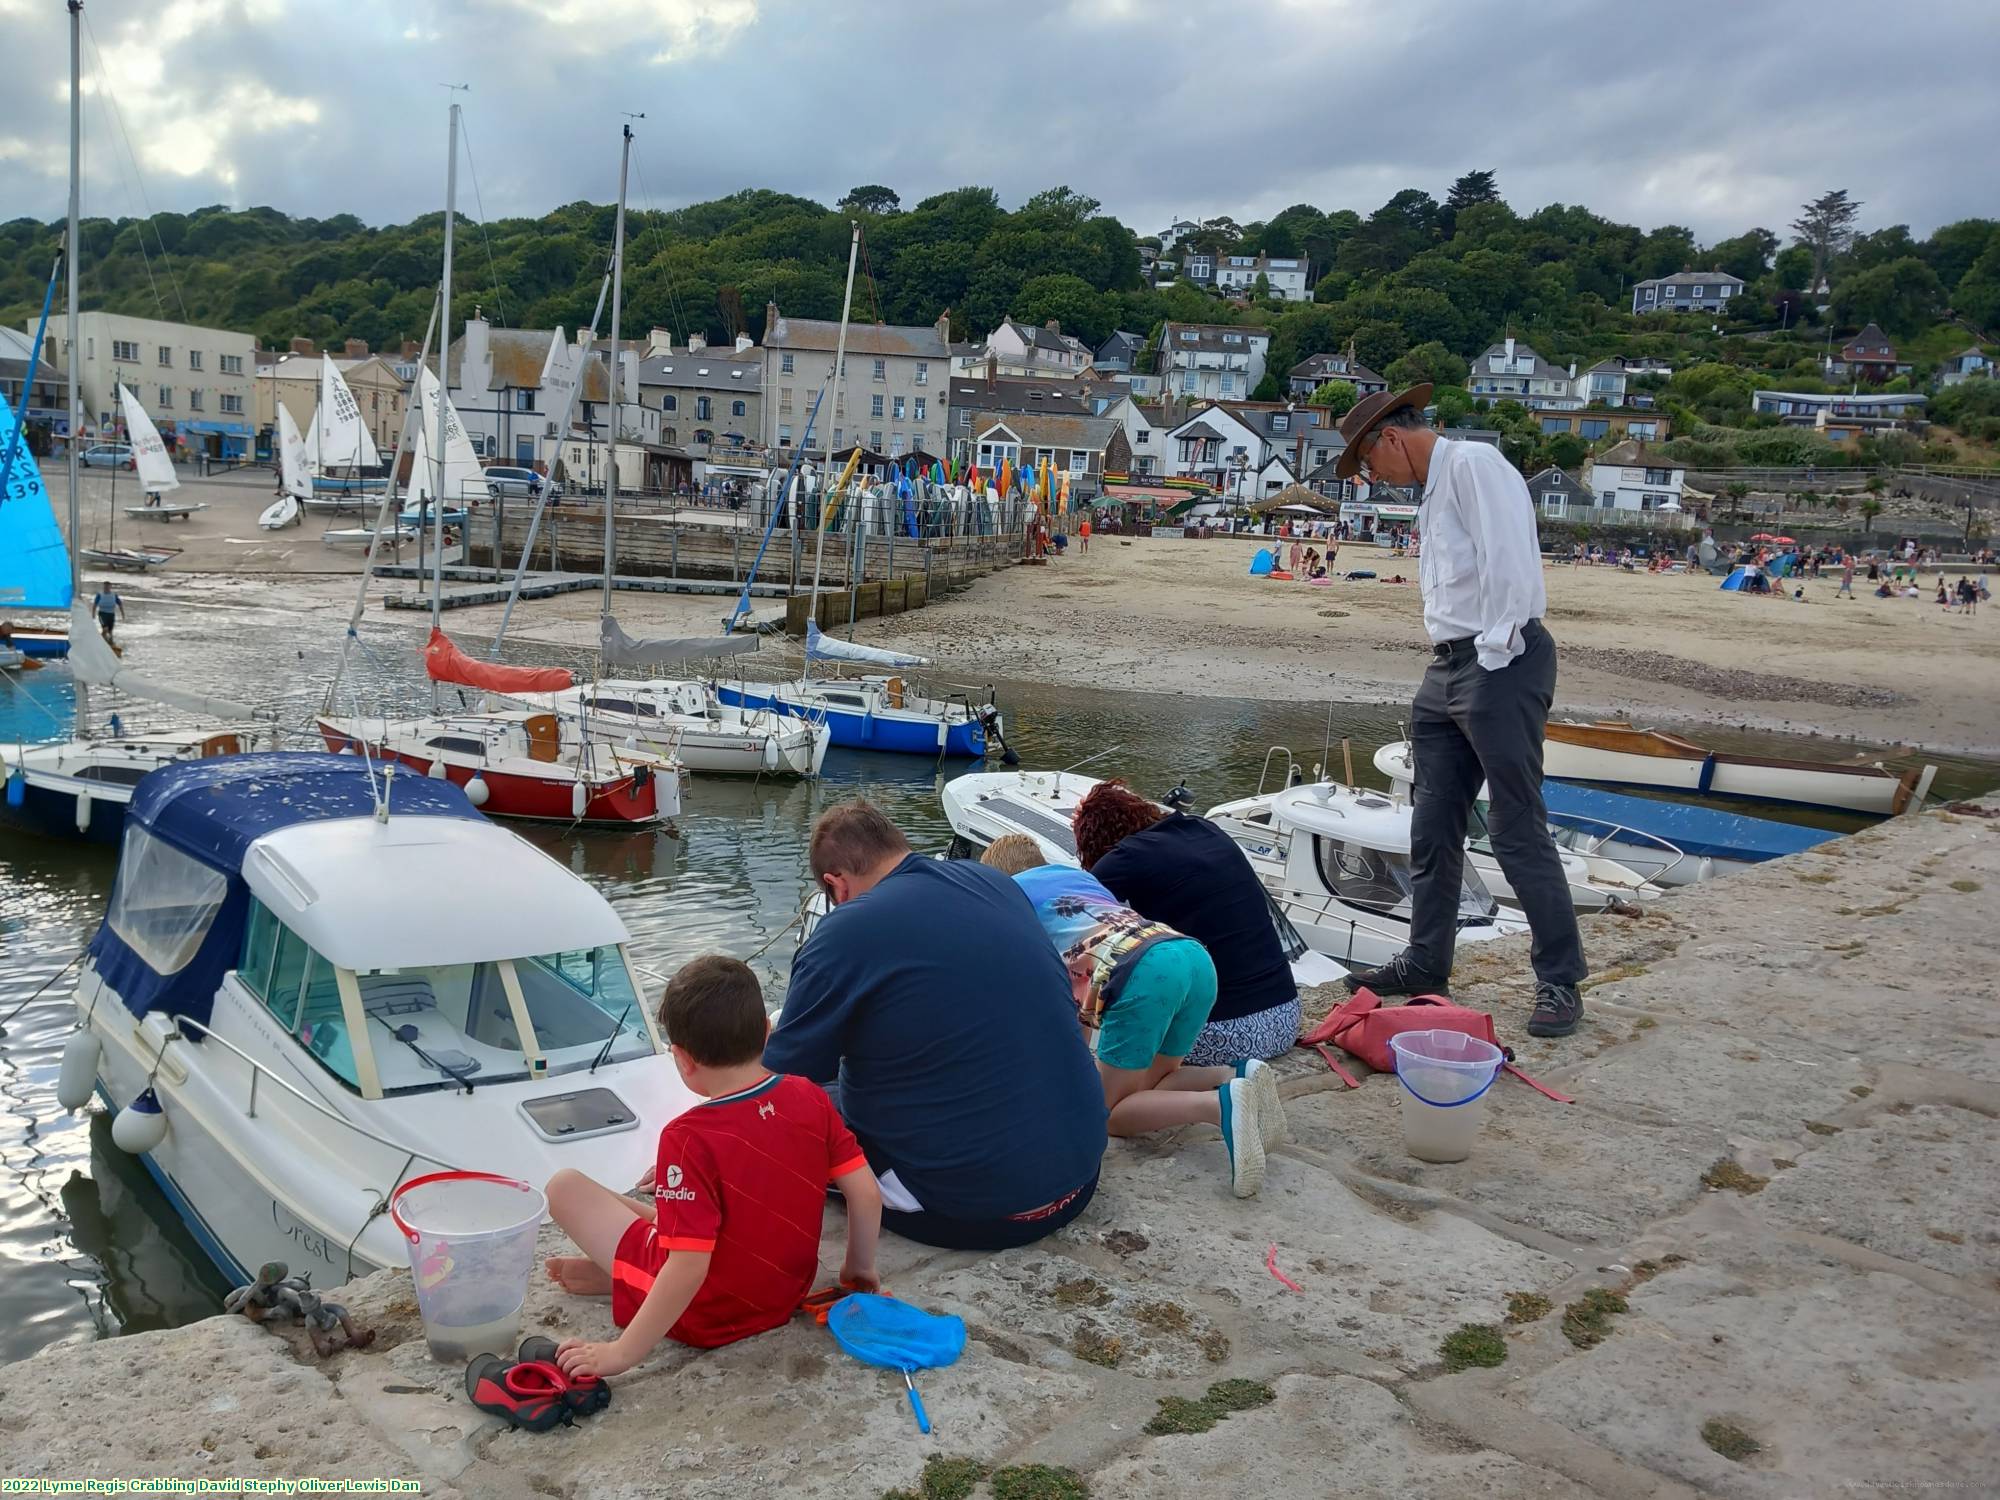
(1162, 1007)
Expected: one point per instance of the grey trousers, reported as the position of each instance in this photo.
(1470, 725)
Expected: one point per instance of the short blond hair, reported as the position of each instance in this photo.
(1012, 853)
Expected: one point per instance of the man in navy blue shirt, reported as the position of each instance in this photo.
(931, 994)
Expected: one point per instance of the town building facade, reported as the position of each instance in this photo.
(194, 382)
(895, 398)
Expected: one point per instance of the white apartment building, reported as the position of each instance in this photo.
(495, 377)
(1211, 361)
(896, 396)
(195, 383)
(1285, 275)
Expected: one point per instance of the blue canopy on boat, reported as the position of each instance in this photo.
(182, 927)
(1702, 832)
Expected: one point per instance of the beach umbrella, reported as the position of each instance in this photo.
(1784, 541)
(1763, 536)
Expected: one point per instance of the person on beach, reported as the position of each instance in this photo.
(1846, 578)
(1144, 991)
(1083, 534)
(110, 610)
(1185, 872)
(1968, 596)
(1298, 549)
(1483, 707)
(729, 1246)
(931, 994)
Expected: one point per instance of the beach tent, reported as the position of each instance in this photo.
(1735, 581)
(1263, 562)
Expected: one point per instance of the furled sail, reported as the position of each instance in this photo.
(617, 649)
(149, 453)
(34, 563)
(823, 647)
(462, 474)
(292, 461)
(92, 661)
(446, 663)
(344, 437)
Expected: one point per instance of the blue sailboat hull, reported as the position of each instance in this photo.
(52, 814)
(865, 731)
(1701, 832)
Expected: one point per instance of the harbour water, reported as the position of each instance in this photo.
(89, 1248)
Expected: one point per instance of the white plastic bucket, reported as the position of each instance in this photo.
(1445, 1076)
(471, 1238)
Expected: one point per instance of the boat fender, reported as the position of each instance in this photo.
(140, 1126)
(631, 742)
(577, 801)
(493, 705)
(17, 787)
(1705, 869)
(83, 812)
(436, 771)
(770, 752)
(476, 791)
(78, 1078)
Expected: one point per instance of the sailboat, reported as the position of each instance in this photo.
(156, 477)
(339, 440)
(512, 763)
(293, 475)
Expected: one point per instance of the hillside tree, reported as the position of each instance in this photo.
(1825, 226)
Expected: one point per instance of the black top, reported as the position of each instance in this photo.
(1189, 874)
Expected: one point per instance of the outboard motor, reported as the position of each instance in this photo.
(1180, 798)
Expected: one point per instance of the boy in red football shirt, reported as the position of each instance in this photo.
(730, 1245)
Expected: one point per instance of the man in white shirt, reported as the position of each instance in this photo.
(1480, 713)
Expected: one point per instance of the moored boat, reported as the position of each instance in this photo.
(80, 788)
(292, 1015)
(689, 721)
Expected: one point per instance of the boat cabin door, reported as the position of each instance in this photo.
(544, 737)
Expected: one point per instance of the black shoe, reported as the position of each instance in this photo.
(1558, 1010)
(1398, 977)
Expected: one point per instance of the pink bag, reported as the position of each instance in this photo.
(1363, 1025)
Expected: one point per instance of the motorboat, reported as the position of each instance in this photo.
(1619, 753)
(690, 721)
(80, 788)
(1666, 843)
(875, 711)
(983, 806)
(521, 764)
(37, 641)
(1595, 881)
(293, 1012)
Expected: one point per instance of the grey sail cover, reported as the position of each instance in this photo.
(617, 649)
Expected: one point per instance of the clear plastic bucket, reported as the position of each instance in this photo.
(471, 1238)
(1445, 1076)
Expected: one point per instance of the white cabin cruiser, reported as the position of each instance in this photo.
(313, 984)
(691, 720)
(1042, 805)
(80, 788)
(1338, 861)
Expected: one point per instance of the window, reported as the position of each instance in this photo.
(875, 405)
(1044, 456)
(1669, 294)
(784, 436)
(1645, 432)
(881, 371)
(1592, 428)
(671, 402)
(785, 364)
(1079, 461)
(89, 347)
(524, 401)
(1232, 338)
(194, 359)
(672, 435)
(899, 408)
(1228, 383)
(875, 440)
(703, 435)
(1186, 336)
(1696, 294)
(702, 405)
(1281, 421)
(1553, 502)
(839, 439)
(1724, 290)
(1555, 424)
(166, 357)
(1187, 382)
(233, 405)
(923, 378)
(166, 395)
(1144, 436)
(163, 901)
(194, 400)
(917, 414)
(1653, 502)
(737, 408)
(232, 364)
(1659, 476)
(124, 349)
(895, 443)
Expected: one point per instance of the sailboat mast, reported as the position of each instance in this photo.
(617, 306)
(839, 403)
(443, 353)
(72, 339)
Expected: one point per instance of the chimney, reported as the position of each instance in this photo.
(944, 328)
(744, 343)
(357, 348)
(659, 341)
(697, 342)
(303, 346)
(1053, 326)
(1510, 348)
(992, 369)
(770, 319)
(1572, 369)
(410, 350)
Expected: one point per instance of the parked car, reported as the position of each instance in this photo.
(109, 456)
(516, 482)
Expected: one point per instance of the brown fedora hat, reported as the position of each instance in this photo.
(1365, 416)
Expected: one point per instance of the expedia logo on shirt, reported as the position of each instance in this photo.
(673, 1188)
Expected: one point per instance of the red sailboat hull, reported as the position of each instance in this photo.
(616, 802)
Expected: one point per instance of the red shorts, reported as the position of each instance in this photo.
(634, 1268)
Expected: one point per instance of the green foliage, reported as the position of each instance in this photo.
(1587, 1321)
(1473, 1346)
(1977, 296)
(951, 1478)
(1337, 396)
(1793, 267)
(1902, 295)
(870, 198)
(1038, 1482)
(1428, 361)
(1268, 389)
(1957, 405)
(1952, 249)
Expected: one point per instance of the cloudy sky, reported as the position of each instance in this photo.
(1712, 113)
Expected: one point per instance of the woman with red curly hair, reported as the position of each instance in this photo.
(1187, 874)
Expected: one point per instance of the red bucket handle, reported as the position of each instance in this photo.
(416, 1182)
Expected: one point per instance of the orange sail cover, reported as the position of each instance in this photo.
(446, 663)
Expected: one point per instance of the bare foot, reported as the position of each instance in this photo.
(579, 1274)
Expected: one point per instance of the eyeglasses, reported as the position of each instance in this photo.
(1367, 448)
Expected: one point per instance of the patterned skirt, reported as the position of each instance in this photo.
(1263, 1033)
